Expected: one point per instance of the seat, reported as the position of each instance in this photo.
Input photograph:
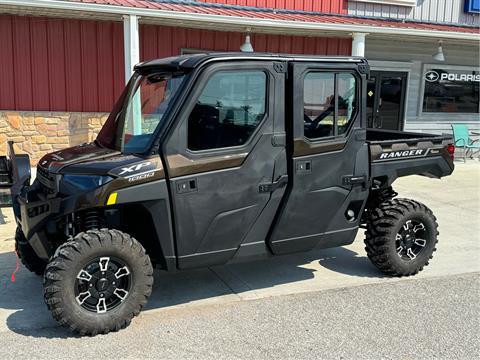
(462, 139)
(203, 127)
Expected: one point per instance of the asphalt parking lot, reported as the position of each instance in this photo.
(327, 303)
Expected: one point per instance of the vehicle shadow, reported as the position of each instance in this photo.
(23, 311)
(348, 262)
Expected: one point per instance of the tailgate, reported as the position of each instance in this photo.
(429, 155)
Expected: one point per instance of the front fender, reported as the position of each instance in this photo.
(154, 197)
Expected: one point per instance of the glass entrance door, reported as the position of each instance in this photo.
(386, 99)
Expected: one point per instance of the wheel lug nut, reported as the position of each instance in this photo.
(101, 295)
(91, 285)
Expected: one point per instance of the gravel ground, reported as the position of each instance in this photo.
(417, 318)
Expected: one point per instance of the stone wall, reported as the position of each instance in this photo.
(38, 133)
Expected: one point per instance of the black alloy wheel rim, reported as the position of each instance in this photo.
(102, 284)
(411, 240)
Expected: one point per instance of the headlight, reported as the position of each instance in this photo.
(82, 182)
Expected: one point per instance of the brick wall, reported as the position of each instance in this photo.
(38, 133)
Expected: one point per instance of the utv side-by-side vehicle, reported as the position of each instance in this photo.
(211, 158)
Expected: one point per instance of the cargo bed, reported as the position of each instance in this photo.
(398, 153)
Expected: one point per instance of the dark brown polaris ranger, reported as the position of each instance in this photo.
(210, 158)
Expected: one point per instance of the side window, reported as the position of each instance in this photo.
(329, 103)
(229, 109)
(319, 104)
(346, 101)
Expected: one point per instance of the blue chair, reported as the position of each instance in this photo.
(462, 139)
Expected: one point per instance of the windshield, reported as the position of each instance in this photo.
(139, 111)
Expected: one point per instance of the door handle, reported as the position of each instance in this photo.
(303, 167)
(355, 181)
(380, 121)
(186, 186)
(271, 187)
(370, 121)
(377, 121)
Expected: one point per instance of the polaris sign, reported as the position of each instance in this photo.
(438, 75)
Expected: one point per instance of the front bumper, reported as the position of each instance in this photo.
(42, 216)
(33, 217)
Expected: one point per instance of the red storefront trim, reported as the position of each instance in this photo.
(50, 64)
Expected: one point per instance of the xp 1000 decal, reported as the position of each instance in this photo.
(147, 169)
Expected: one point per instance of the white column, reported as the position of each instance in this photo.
(358, 44)
(131, 43)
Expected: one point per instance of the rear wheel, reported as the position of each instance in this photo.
(98, 282)
(27, 255)
(401, 236)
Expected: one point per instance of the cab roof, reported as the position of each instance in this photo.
(191, 61)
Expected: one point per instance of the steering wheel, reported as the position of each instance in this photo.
(316, 122)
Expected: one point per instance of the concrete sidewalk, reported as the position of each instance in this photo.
(455, 201)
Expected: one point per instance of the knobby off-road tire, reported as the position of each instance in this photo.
(393, 228)
(107, 257)
(27, 255)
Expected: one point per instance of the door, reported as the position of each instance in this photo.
(226, 161)
(328, 162)
(386, 93)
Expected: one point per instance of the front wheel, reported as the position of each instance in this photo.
(97, 282)
(401, 236)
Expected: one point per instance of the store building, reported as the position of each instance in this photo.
(63, 63)
(412, 89)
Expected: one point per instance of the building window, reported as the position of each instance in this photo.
(327, 112)
(229, 109)
(472, 6)
(451, 91)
